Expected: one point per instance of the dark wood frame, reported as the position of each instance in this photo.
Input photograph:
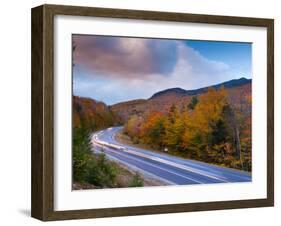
(42, 203)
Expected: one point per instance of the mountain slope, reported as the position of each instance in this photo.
(229, 84)
(238, 90)
(91, 114)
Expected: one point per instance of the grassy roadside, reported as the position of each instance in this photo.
(125, 177)
(93, 170)
(119, 176)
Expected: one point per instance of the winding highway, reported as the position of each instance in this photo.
(164, 167)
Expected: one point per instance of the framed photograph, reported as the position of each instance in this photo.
(141, 112)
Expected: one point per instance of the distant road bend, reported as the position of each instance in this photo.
(169, 169)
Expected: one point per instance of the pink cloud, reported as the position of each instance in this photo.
(125, 57)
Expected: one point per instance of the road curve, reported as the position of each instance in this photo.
(169, 169)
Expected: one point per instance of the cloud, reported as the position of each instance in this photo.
(114, 69)
(194, 71)
(124, 57)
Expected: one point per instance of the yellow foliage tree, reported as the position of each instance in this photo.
(152, 130)
(199, 124)
(174, 127)
(132, 127)
(208, 110)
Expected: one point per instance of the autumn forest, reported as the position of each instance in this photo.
(151, 112)
(214, 126)
(208, 128)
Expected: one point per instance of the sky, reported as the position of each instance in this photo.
(116, 69)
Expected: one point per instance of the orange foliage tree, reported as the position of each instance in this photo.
(153, 129)
(209, 128)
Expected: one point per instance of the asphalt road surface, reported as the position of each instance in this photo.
(164, 167)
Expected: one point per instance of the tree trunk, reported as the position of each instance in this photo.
(238, 146)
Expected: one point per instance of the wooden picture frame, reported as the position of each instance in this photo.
(43, 111)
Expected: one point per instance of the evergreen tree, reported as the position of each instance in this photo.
(193, 102)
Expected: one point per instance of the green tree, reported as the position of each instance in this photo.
(193, 102)
(136, 181)
(101, 172)
(81, 154)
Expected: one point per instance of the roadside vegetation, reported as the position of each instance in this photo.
(90, 169)
(208, 128)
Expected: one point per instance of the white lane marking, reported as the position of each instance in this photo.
(200, 172)
(189, 168)
(180, 175)
(138, 169)
(183, 167)
(213, 174)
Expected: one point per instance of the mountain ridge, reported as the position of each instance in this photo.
(238, 90)
(228, 84)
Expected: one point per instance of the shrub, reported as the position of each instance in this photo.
(136, 181)
(101, 172)
(81, 154)
(88, 167)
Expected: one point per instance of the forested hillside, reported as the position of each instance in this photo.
(214, 127)
(162, 101)
(92, 170)
(210, 124)
(92, 115)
